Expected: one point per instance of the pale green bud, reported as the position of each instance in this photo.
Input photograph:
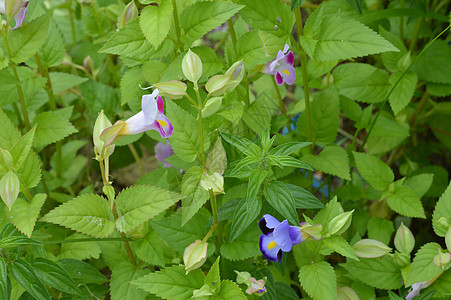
(192, 66)
(211, 107)
(346, 293)
(216, 85)
(404, 239)
(204, 293)
(401, 259)
(442, 259)
(195, 255)
(12, 7)
(173, 89)
(214, 182)
(340, 223)
(129, 13)
(242, 277)
(237, 73)
(100, 125)
(369, 248)
(9, 188)
(448, 240)
(6, 160)
(313, 231)
(404, 61)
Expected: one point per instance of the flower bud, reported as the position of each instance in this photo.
(256, 286)
(401, 259)
(111, 134)
(195, 255)
(100, 125)
(346, 293)
(340, 223)
(448, 240)
(204, 293)
(369, 248)
(192, 66)
(213, 182)
(216, 84)
(242, 277)
(129, 13)
(211, 107)
(237, 73)
(6, 160)
(9, 188)
(173, 89)
(404, 239)
(12, 8)
(313, 231)
(442, 259)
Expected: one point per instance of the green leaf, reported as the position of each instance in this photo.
(442, 285)
(242, 144)
(24, 214)
(381, 273)
(230, 290)
(331, 160)
(172, 283)
(438, 89)
(377, 173)
(434, 65)
(137, 204)
(258, 116)
(423, 267)
(26, 40)
(258, 47)
(20, 150)
(332, 209)
(403, 92)
(121, 282)
(81, 271)
(356, 5)
(198, 19)
(155, 22)
(5, 285)
(149, 249)
(64, 81)
(89, 214)
(30, 171)
(325, 111)
(53, 126)
(243, 247)
(380, 229)
(338, 37)
(279, 196)
(420, 183)
(404, 201)
(288, 148)
(23, 273)
(295, 4)
(80, 251)
(213, 278)
(196, 195)
(442, 210)
(9, 135)
(54, 275)
(16, 241)
(362, 82)
(319, 280)
(51, 53)
(130, 84)
(185, 140)
(303, 199)
(340, 245)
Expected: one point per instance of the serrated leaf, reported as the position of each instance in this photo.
(53, 126)
(54, 275)
(185, 140)
(23, 273)
(213, 278)
(242, 144)
(324, 117)
(51, 53)
(80, 251)
(24, 214)
(217, 158)
(438, 89)
(198, 19)
(377, 173)
(26, 40)
(340, 245)
(30, 171)
(196, 195)
(362, 82)
(423, 267)
(258, 47)
(434, 65)
(121, 282)
(380, 229)
(319, 280)
(172, 283)
(403, 92)
(404, 201)
(230, 290)
(149, 249)
(244, 247)
(381, 273)
(130, 85)
(279, 196)
(9, 135)
(20, 150)
(155, 22)
(333, 208)
(89, 214)
(303, 199)
(420, 183)
(442, 210)
(331, 160)
(64, 81)
(141, 203)
(442, 285)
(81, 271)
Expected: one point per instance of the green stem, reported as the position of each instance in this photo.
(87, 240)
(419, 108)
(209, 233)
(214, 208)
(413, 42)
(176, 23)
(123, 236)
(232, 35)
(102, 171)
(96, 18)
(401, 23)
(201, 127)
(138, 160)
(26, 193)
(17, 112)
(282, 108)
(303, 55)
(72, 24)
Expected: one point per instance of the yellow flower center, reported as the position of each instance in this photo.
(286, 72)
(162, 123)
(272, 245)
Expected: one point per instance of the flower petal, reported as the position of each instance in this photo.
(136, 124)
(163, 126)
(281, 235)
(20, 16)
(149, 109)
(163, 151)
(160, 104)
(297, 235)
(268, 222)
(279, 79)
(285, 48)
(289, 58)
(269, 248)
(289, 74)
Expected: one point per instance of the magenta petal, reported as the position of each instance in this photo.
(163, 126)
(289, 58)
(279, 79)
(160, 104)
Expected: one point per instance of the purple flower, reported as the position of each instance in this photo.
(282, 67)
(163, 151)
(19, 17)
(278, 237)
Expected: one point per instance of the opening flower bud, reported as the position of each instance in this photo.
(214, 182)
(100, 125)
(404, 239)
(192, 66)
(340, 223)
(173, 89)
(195, 255)
(12, 7)
(211, 107)
(442, 259)
(6, 160)
(216, 85)
(346, 293)
(9, 188)
(256, 286)
(242, 277)
(369, 248)
(129, 13)
(314, 231)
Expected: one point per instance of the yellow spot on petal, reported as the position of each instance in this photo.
(286, 72)
(162, 123)
(272, 245)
